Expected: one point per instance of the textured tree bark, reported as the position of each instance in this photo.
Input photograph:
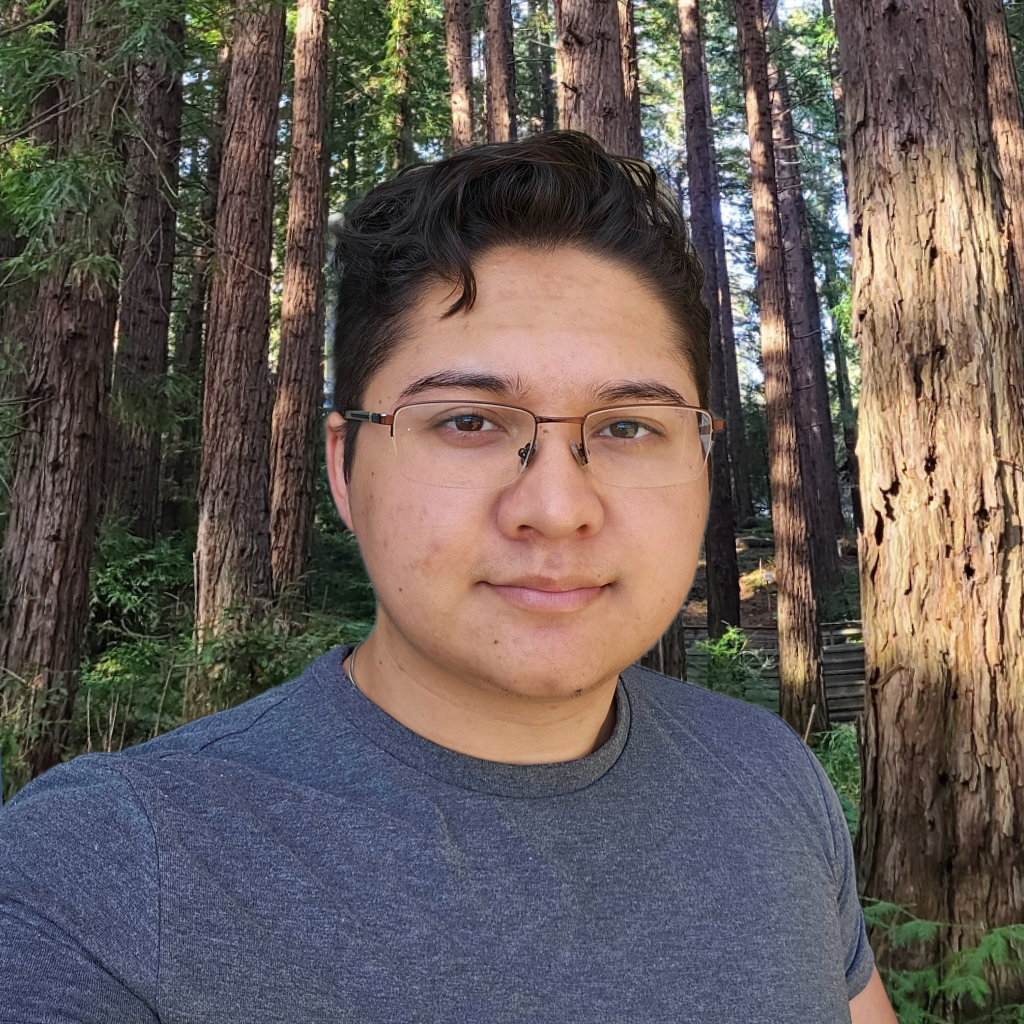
(500, 68)
(181, 463)
(147, 269)
(1005, 112)
(57, 487)
(800, 686)
(743, 503)
(813, 413)
(233, 572)
(630, 78)
(720, 540)
(459, 52)
(591, 94)
(936, 312)
(299, 392)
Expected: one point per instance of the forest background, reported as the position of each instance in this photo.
(854, 181)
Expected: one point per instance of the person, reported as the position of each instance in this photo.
(485, 812)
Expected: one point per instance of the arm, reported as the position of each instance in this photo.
(79, 927)
(871, 1005)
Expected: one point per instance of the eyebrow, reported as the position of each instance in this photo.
(503, 386)
(639, 390)
(499, 385)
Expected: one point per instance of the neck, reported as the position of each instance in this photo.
(481, 718)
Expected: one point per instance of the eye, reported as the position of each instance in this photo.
(626, 429)
(469, 422)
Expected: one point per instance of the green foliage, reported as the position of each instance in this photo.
(838, 752)
(959, 982)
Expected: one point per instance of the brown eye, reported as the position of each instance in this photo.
(468, 422)
(625, 429)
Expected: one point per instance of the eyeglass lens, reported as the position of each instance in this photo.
(473, 445)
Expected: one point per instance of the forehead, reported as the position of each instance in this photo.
(559, 322)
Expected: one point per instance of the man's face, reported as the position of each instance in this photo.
(549, 586)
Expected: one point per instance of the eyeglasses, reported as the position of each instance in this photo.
(478, 444)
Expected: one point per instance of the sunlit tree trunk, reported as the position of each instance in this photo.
(233, 569)
(813, 412)
(58, 476)
(723, 581)
(591, 94)
(147, 268)
(799, 640)
(1007, 130)
(500, 68)
(459, 52)
(739, 458)
(936, 311)
(181, 463)
(630, 78)
(299, 390)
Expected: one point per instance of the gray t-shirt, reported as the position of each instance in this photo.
(305, 858)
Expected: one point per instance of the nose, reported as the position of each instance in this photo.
(556, 497)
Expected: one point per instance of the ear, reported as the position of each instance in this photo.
(336, 428)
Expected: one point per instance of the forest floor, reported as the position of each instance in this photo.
(755, 554)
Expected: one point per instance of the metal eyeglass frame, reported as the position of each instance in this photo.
(528, 450)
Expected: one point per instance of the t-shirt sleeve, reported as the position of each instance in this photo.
(79, 900)
(860, 960)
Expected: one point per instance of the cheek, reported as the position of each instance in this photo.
(664, 534)
(420, 538)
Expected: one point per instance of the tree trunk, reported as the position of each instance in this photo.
(1007, 130)
(936, 311)
(57, 486)
(591, 94)
(299, 394)
(838, 108)
(630, 78)
(181, 476)
(548, 105)
(147, 269)
(720, 541)
(813, 413)
(847, 413)
(500, 68)
(397, 65)
(233, 545)
(459, 51)
(735, 429)
(800, 686)
(668, 655)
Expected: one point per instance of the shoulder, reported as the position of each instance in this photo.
(755, 756)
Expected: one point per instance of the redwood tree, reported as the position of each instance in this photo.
(723, 580)
(299, 389)
(937, 315)
(591, 94)
(630, 78)
(799, 640)
(233, 544)
(500, 68)
(56, 492)
(147, 267)
(810, 383)
(739, 458)
(459, 52)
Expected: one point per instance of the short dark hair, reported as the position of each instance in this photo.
(432, 222)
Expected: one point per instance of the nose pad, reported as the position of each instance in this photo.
(578, 451)
(526, 453)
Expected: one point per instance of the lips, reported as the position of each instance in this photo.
(543, 594)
